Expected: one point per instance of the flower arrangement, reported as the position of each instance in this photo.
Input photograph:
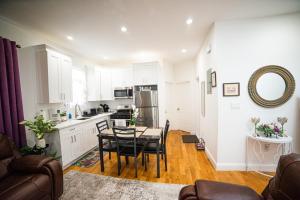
(270, 130)
(134, 116)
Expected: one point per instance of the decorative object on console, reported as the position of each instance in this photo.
(281, 81)
(213, 79)
(269, 130)
(282, 121)
(39, 127)
(255, 121)
(231, 89)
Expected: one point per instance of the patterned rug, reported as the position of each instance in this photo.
(79, 185)
(89, 160)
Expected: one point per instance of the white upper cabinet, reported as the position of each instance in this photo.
(145, 73)
(53, 73)
(66, 79)
(106, 85)
(93, 83)
(122, 78)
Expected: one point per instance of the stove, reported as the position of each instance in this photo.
(121, 117)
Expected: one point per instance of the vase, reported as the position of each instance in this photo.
(40, 143)
(132, 126)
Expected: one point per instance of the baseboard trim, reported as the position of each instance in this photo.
(242, 167)
(210, 157)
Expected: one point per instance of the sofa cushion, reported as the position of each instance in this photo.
(5, 149)
(31, 186)
(223, 191)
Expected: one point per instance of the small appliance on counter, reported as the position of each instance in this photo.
(54, 115)
(105, 107)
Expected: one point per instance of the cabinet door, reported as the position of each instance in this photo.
(93, 84)
(66, 79)
(78, 145)
(54, 77)
(106, 87)
(66, 143)
(145, 74)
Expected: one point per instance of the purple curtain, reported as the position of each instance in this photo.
(11, 107)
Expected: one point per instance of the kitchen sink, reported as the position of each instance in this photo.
(83, 118)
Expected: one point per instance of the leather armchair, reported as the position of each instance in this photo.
(28, 177)
(285, 185)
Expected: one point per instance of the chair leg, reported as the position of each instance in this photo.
(143, 159)
(162, 156)
(166, 164)
(119, 165)
(145, 162)
(148, 157)
(135, 165)
(109, 155)
(127, 160)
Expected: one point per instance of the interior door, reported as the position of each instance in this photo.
(183, 104)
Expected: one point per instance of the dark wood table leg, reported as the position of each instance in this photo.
(157, 159)
(101, 154)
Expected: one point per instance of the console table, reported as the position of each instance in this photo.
(284, 146)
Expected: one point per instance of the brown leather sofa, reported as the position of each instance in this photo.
(29, 177)
(284, 186)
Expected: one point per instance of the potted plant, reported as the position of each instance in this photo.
(39, 126)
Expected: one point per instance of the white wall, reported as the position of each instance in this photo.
(209, 122)
(239, 47)
(244, 46)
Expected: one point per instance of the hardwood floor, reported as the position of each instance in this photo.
(185, 165)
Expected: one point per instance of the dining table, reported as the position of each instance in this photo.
(143, 135)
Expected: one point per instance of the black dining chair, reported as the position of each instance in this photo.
(150, 148)
(108, 146)
(126, 140)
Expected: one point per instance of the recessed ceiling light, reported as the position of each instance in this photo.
(183, 50)
(105, 58)
(123, 29)
(70, 37)
(189, 21)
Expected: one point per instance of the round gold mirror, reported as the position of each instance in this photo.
(271, 86)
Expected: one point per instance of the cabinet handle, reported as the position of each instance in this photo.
(75, 138)
(72, 139)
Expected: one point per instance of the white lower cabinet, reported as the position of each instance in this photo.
(77, 140)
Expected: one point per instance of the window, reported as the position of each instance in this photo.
(79, 86)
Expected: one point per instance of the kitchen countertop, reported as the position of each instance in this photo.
(74, 122)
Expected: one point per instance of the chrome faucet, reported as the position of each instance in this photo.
(77, 109)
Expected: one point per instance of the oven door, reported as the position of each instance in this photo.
(120, 93)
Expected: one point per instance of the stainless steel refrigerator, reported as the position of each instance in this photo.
(147, 103)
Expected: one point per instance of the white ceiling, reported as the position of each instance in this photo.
(155, 27)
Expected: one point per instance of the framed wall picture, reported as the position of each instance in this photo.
(231, 89)
(213, 79)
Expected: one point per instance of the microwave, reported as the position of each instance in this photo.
(123, 93)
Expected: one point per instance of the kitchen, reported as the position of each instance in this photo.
(76, 98)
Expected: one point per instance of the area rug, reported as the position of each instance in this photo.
(89, 160)
(80, 185)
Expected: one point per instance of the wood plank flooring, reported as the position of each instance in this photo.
(185, 165)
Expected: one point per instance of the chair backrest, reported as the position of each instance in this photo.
(166, 130)
(125, 137)
(286, 183)
(102, 126)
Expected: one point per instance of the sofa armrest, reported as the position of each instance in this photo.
(224, 191)
(188, 193)
(30, 164)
